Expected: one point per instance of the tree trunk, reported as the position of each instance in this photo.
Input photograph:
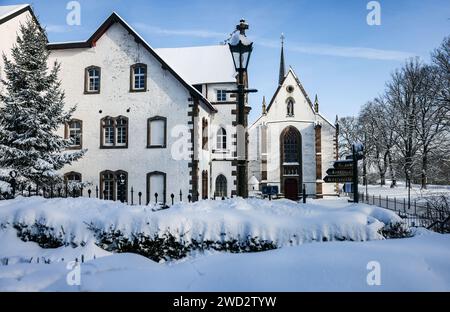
(392, 171)
(424, 171)
(365, 182)
(383, 178)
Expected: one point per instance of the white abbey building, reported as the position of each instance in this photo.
(161, 121)
(292, 144)
(160, 118)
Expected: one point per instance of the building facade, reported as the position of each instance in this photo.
(292, 143)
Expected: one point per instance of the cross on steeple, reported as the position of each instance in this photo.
(282, 66)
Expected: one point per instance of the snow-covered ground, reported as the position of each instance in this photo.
(420, 263)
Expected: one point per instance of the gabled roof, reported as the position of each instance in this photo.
(299, 85)
(8, 12)
(204, 64)
(115, 18)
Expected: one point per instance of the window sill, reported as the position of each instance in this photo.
(113, 147)
(137, 90)
(221, 151)
(156, 146)
(91, 92)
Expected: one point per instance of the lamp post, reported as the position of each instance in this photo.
(122, 181)
(241, 49)
(13, 175)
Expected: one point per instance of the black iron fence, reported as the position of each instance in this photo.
(132, 198)
(416, 213)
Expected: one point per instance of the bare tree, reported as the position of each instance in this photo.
(431, 114)
(402, 96)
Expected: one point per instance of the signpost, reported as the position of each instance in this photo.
(346, 171)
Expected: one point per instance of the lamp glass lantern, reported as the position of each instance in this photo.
(241, 51)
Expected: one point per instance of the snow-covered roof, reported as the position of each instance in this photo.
(7, 10)
(203, 64)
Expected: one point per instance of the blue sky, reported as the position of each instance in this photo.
(333, 50)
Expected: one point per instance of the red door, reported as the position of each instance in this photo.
(291, 189)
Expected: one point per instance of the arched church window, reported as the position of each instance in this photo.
(291, 146)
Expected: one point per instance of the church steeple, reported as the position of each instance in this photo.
(316, 104)
(264, 110)
(282, 67)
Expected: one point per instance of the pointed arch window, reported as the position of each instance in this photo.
(221, 186)
(205, 134)
(138, 78)
(92, 80)
(205, 184)
(221, 139)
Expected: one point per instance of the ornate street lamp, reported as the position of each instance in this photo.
(122, 181)
(241, 49)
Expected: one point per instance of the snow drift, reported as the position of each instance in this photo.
(282, 222)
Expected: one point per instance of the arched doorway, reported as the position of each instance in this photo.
(221, 186)
(291, 177)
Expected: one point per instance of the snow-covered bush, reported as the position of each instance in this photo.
(234, 225)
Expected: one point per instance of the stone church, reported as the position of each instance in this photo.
(291, 144)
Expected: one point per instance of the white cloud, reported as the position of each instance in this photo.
(342, 51)
(199, 33)
(315, 49)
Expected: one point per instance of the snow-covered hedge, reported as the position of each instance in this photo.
(235, 225)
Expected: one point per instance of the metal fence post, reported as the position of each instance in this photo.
(140, 197)
(156, 198)
(181, 196)
(96, 191)
(404, 205)
(132, 196)
(89, 193)
(172, 196)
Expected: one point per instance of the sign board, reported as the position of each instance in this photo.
(337, 179)
(343, 164)
(340, 172)
(270, 190)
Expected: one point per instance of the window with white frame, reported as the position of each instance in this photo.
(221, 95)
(74, 131)
(139, 77)
(93, 76)
(114, 132)
(221, 139)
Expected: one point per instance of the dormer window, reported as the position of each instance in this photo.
(138, 80)
(92, 80)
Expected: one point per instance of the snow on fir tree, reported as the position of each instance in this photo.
(32, 111)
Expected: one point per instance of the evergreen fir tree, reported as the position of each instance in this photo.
(32, 111)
